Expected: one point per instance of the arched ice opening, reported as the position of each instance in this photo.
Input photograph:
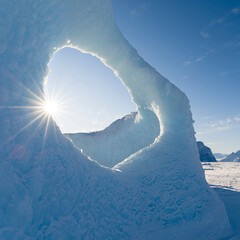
(48, 184)
(83, 90)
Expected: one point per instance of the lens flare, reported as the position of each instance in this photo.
(51, 107)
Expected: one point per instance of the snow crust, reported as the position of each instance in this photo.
(224, 179)
(49, 189)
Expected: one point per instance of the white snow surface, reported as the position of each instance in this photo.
(49, 189)
(224, 178)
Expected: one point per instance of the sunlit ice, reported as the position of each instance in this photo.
(53, 107)
(39, 109)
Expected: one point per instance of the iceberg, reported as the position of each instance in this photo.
(49, 189)
(120, 139)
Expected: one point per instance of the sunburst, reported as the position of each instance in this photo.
(39, 109)
(51, 107)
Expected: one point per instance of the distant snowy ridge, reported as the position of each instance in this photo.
(220, 156)
(233, 157)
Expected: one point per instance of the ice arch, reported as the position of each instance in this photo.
(90, 96)
(120, 139)
(49, 190)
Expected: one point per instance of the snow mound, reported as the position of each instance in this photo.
(49, 189)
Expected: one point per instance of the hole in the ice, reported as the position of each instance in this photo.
(85, 97)
(83, 94)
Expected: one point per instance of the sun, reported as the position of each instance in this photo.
(51, 107)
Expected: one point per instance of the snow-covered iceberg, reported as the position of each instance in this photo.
(49, 189)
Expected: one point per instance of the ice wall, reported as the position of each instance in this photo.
(49, 190)
(119, 140)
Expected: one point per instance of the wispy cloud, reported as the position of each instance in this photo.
(232, 44)
(237, 119)
(133, 12)
(195, 60)
(186, 63)
(205, 32)
(185, 77)
(217, 21)
(236, 10)
(200, 59)
(144, 6)
(224, 73)
(210, 125)
(139, 9)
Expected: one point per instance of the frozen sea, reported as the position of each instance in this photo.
(224, 178)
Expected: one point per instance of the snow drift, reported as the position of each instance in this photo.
(49, 189)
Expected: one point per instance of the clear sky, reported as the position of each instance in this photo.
(195, 44)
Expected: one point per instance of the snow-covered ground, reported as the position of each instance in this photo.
(224, 178)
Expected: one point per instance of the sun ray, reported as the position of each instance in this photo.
(51, 107)
(46, 130)
(38, 109)
(34, 95)
(25, 127)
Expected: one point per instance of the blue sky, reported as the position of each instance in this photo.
(91, 97)
(195, 44)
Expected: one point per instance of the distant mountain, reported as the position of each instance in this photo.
(205, 153)
(233, 157)
(220, 156)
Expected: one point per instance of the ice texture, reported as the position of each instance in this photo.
(49, 189)
(119, 140)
